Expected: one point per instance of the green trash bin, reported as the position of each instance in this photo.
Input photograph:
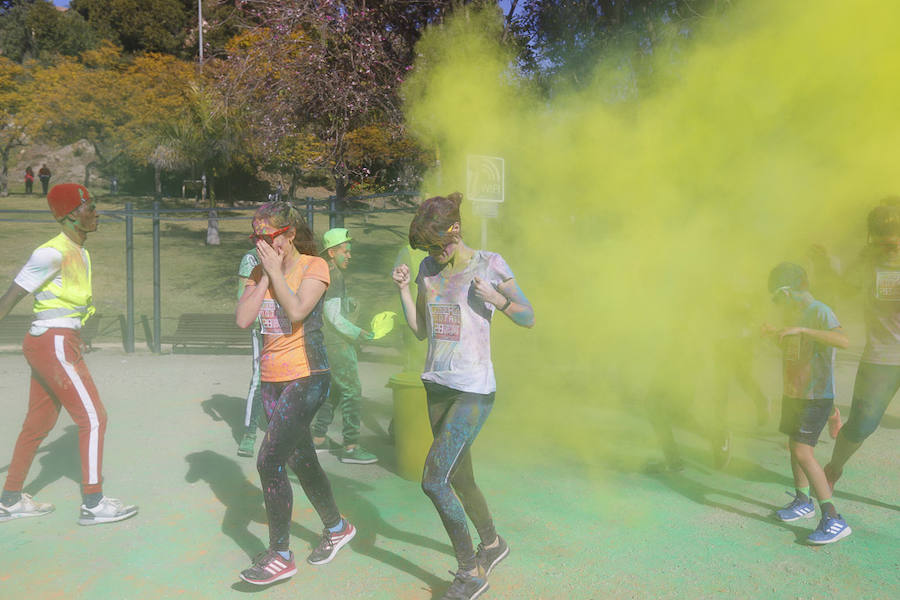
(412, 431)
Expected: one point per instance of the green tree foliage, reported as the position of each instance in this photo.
(15, 119)
(326, 75)
(562, 42)
(139, 25)
(34, 29)
(208, 139)
(113, 101)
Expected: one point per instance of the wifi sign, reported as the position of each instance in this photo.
(484, 178)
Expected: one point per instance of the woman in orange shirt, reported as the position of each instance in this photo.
(286, 292)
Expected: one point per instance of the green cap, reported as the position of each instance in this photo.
(335, 237)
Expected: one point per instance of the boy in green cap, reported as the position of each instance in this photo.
(341, 338)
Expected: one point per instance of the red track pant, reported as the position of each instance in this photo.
(59, 377)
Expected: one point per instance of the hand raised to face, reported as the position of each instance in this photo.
(270, 257)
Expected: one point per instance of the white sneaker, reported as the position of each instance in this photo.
(109, 510)
(25, 507)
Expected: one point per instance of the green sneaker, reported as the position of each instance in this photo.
(248, 442)
(357, 456)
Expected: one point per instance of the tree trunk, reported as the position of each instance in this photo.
(340, 193)
(293, 186)
(87, 174)
(212, 228)
(4, 174)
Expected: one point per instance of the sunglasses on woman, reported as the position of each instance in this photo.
(268, 238)
(438, 248)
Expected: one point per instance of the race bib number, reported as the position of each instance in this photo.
(446, 321)
(887, 285)
(273, 319)
(791, 347)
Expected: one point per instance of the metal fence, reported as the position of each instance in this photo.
(355, 205)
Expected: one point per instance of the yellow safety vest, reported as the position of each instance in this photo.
(73, 298)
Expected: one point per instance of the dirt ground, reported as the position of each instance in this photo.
(578, 528)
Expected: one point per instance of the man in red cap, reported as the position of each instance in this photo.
(59, 275)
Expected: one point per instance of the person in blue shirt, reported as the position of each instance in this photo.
(808, 341)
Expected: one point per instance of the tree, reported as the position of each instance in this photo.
(207, 138)
(14, 120)
(114, 102)
(85, 99)
(562, 43)
(145, 26)
(35, 29)
(327, 69)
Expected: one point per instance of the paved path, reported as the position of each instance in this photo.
(581, 520)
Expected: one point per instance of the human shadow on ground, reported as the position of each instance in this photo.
(59, 458)
(244, 504)
(372, 414)
(748, 471)
(349, 493)
(230, 410)
(702, 493)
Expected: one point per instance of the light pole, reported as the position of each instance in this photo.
(200, 27)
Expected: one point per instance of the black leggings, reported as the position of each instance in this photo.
(456, 418)
(290, 407)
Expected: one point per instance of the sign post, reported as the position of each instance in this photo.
(485, 183)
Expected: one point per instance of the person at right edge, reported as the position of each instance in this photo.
(876, 271)
(459, 292)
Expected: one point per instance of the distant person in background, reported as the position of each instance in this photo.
(460, 291)
(808, 338)
(58, 273)
(253, 413)
(44, 175)
(341, 340)
(29, 179)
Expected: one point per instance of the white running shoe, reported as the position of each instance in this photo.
(108, 510)
(25, 507)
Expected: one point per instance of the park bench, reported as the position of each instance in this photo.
(14, 327)
(209, 330)
(219, 331)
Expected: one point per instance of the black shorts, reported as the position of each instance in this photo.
(803, 420)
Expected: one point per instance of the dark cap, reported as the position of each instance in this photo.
(790, 275)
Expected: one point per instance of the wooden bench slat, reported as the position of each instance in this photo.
(14, 327)
(207, 329)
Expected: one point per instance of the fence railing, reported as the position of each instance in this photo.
(157, 213)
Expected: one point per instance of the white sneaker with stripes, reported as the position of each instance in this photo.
(25, 507)
(108, 510)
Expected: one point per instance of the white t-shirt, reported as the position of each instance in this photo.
(459, 325)
(45, 264)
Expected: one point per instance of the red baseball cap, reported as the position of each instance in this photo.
(66, 197)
